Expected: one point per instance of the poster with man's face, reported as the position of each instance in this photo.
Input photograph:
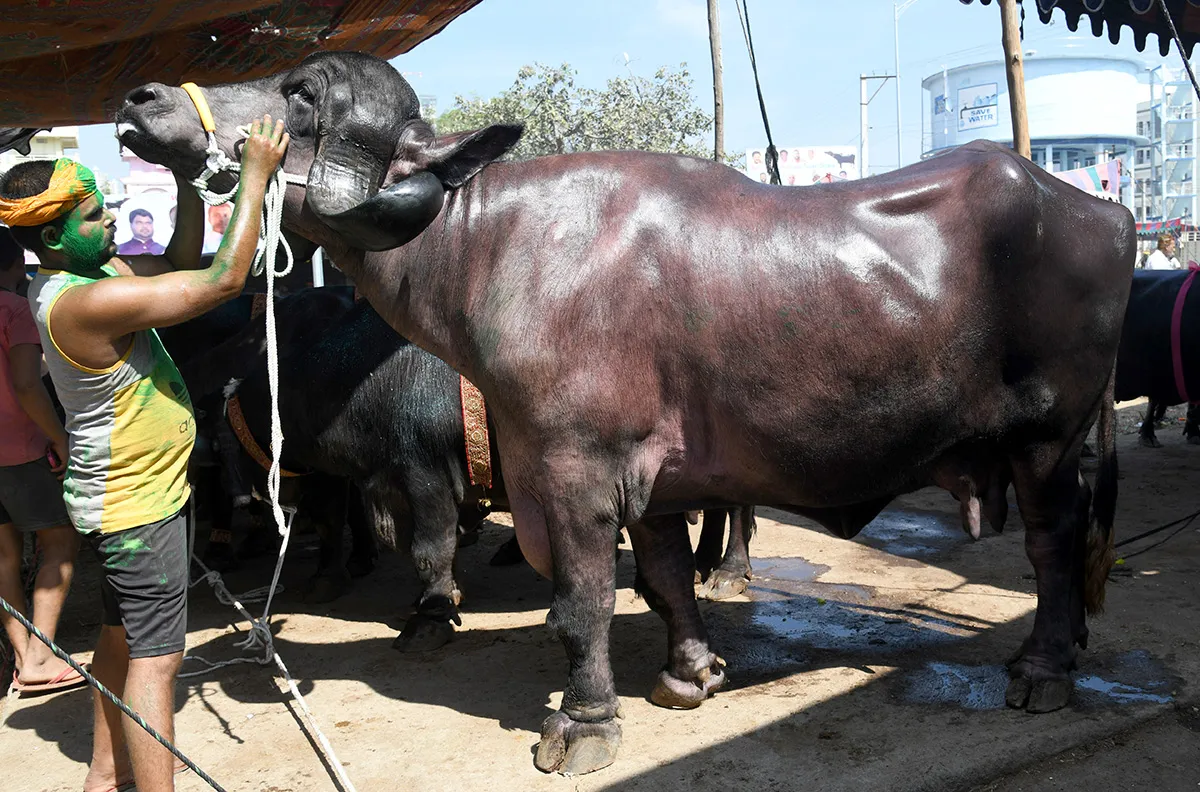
(144, 224)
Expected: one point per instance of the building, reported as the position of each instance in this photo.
(1164, 170)
(45, 145)
(145, 177)
(1083, 112)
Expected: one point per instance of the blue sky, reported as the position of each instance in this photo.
(810, 54)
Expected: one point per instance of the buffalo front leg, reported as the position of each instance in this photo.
(732, 576)
(583, 735)
(1146, 434)
(712, 538)
(325, 501)
(1054, 506)
(664, 578)
(434, 513)
(364, 552)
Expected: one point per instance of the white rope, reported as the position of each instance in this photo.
(269, 237)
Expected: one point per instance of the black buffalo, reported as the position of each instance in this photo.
(358, 402)
(656, 333)
(1145, 364)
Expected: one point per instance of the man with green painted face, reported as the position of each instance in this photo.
(129, 419)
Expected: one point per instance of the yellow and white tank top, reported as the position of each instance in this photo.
(130, 425)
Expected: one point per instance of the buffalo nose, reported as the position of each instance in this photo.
(145, 94)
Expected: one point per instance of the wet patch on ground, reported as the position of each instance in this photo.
(1131, 678)
(793, 616)
(913, 534)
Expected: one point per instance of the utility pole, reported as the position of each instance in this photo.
(898, 8)
(863, 102)
(714, 43)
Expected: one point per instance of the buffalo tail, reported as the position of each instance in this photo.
(1100, 554)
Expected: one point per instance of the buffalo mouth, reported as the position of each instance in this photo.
(133, 132)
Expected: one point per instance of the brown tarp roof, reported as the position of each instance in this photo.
(72, 61)
(1142, 17)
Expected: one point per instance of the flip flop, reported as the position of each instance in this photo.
(67, 679)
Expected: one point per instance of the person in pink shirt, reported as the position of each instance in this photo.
(33, 452)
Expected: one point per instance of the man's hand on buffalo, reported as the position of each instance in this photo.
(263, 150)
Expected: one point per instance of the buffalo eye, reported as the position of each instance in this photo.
(300, 112)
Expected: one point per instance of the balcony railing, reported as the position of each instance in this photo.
(1179, 150)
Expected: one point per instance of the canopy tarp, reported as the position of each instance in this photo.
(1143, 17)
(1175, 226)
(68, 62)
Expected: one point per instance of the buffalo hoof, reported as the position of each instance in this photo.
(674, 693)
(1039, 695)
(509, 554)
(1149, 441)
(722, 584)
(1194, 439)
(219, 557)
(573, 747)
(1034, 688)
(327, 587)
(360, 566)
(422, 634)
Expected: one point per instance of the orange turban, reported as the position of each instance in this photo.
(70, 185)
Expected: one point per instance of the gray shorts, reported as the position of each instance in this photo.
(145, 584)
(31, 497)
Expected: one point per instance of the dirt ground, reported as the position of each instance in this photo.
(875, 664)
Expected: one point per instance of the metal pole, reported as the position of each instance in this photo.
(714, 43)
(863, 170)
(318, 267)
(899, 129)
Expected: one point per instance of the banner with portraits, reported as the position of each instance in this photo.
(146, 222)
(804, 166)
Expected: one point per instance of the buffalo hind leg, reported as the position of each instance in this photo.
(1191, 429)
(1146, 436)
(732, 576)
(664, 577)
(434, 515)
(1054, 503)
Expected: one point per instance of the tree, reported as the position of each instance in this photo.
(649, 114)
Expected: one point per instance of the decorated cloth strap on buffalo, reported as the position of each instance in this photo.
(479, 451)
(1176, 328)
(237, 422)
(70, 185)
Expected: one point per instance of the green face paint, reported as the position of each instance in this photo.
(87, 239)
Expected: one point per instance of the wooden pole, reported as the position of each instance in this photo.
(714, 43)
(1010, 20)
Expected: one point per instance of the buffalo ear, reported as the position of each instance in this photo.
(456, 158)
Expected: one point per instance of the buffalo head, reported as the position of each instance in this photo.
(376, 171)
